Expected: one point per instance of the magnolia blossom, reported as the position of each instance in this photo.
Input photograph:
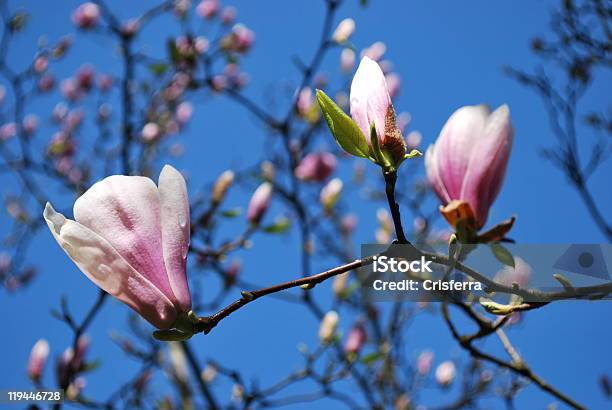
(184, 111)
(38, 359)
(150, 131)
(371, 105)
(330, 193)
(445, 373)
(260, 201)
(131, 239)
(228, 15)
(424, 362)
(347, 60)
(208, 8)
(327, 328)
(242, 38)
(376, 51)
(30, 124)
(7, 131)
(86, 15)
(316, 166)
(355, 339)
(520, 274)
(344, 30)
(468, 162)
(221, 186)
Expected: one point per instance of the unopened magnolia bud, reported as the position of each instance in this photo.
(344, 30)
(209, 373)
(330, 193)
(268, 171)
(355, 339)
(222, 184)
(260, 201)
(327, 329)
(339, 284)
(424, 362)
(347, 60)
(445, 373)
(38, 359)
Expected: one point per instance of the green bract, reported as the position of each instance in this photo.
(345, 131)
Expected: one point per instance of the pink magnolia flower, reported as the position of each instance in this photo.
(242, 38)
(468, 162)
(86, 16)
(394, 83)
(316, 166)
(131, 239)
(376, 51)
(130, 27)
(30, 124)
(228, 15)
(8, 131)
(355, 339)
(150, 132)
(328, 326)
(371, 104)
(424, 362)
(41, 63)
(38, 359)
(260, 201)
(445, 373)
(46, 82)
(184, 111)
(207, 8)
(348, 223)
(347, 60)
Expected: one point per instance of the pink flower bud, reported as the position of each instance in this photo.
(41, 63)
(38, 359)
(181, 7)
(394, 84)
(468, 161)
(228, 15)
(316, 166)
(348, 223)
(70, 90)
(445, 373)
(85, 77)
(344, 30)
(131, 238)
(371, 104)
(347, 60)
(331, 193)
(105, 82)
(260, 201)
(8, 131)
(201, 45)
(305, 101)
(130, 27)
(520, 274)
(242, 38)
(150, 132)
(208, 8)
(219, 82)
(86, 16)
(46, 83)
(424, 362)
(30, 124)
(375, 51)
(355, 339)
(183, 112)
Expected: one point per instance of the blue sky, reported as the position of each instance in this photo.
(448, 54)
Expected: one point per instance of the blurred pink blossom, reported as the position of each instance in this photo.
(38, 359)
(424, 362)
(347, 60)
(316, 166)
(86, 16)
(7, 131)
(208, 8)
(445, 373)
(356, 339)
(260, 201)
(184, 112)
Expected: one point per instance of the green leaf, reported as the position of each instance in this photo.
(158, 68)
(173, 52)
(343, 128)
(502, 254)
(372, 357)
(280, 225)
(231, 213)
(363, 3)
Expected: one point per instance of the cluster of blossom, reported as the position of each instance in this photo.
(69, 369)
